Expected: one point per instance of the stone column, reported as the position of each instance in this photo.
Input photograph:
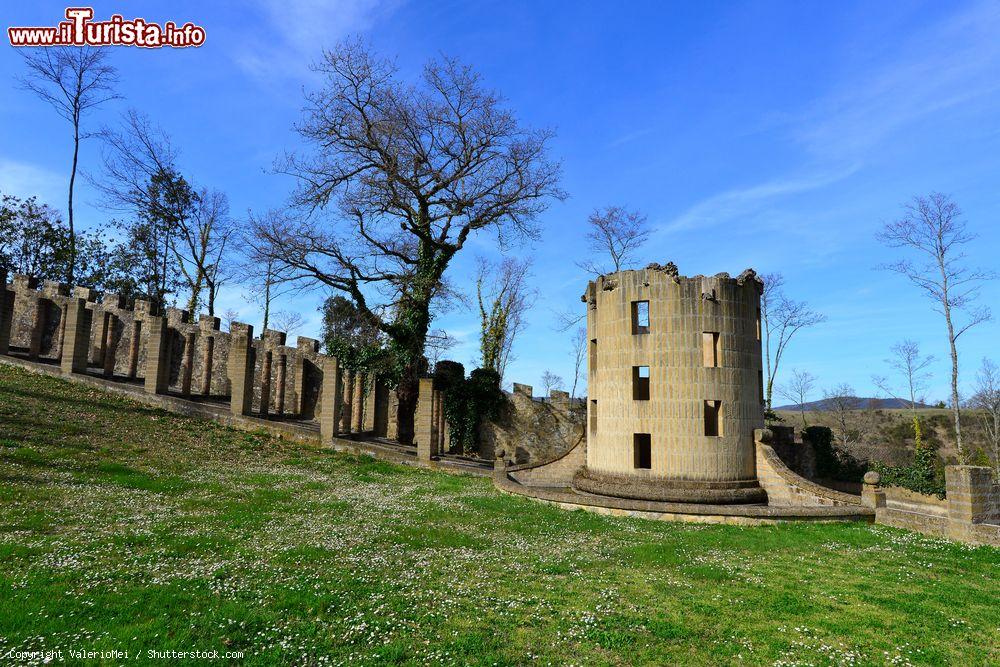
(265, 382)
(358, 409)
(38, 326)
(423, 422)
(348, 400)
(968, 491)
(109, 344)
(76, 343)
(206, 378)
(369, 410)
(6, 313)
(187, 363)
(157, 356)
(241, 366)
(133, 350)
(329, 418)
(279, 397)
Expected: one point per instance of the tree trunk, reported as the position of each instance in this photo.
(955, 408)
(71, 269)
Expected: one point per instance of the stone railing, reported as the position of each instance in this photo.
(168, 353)
(970, 511)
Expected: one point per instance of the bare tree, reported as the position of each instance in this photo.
(73, 80)
(933, 228)
(288, 321)
(551, 381)
(798, 389)
(579, 341)
(438, 343)
(614, 235)
(853, 418)
(504, 297)
(230, 316)
(201, 250)
(908, 362)
(987, 399)
(412, 172)
(141, 178)
(781, 319)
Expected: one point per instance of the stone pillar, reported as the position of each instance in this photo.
(241, 366)
(157, 356)
(423, 422)
(187, 363)
(358, 407)
(76, 344)
(133, 349)
(392, 415)
(6, 313)
(348, 400)
(38, 326)
(369, 410)
(329, 418)
(109, 344)
(279, 397)
(968, 491)
(303, 365)
(870, 494)
(206, 377)
(265, 382)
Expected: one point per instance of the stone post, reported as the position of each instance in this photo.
(76, 345)
(157, 356)
(348, 401)
(265, 382)
(369, 409)
(109, 344)
(206, 378)
(968, 491)
(38, 326)
(133, 349)
(329, 418)
(282, 373)
(358, 409)
(187, 363)
(423, 422)
(870, 495)
(6, 312)
(241, 366)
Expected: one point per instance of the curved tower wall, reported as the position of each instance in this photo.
(692, 323)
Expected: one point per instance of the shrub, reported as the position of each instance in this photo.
(832, 462)
(924, 475)
(467, 401)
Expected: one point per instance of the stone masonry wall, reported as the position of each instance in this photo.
(530, 431)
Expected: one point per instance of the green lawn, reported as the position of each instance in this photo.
(126, 528)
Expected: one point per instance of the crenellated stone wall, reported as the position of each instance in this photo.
(171, 353)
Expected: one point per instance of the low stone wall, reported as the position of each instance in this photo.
(784, 487)
(534, 431)
(558, 472)
(968, 512)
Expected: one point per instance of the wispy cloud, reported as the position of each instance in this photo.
(949, 64)
(301, 29)
(743, 202)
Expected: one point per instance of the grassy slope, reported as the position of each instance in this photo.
(128, 528)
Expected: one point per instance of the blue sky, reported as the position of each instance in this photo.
(776, 135)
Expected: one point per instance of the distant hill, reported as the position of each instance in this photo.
(877, 403)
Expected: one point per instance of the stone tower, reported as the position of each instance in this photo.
(675, 386)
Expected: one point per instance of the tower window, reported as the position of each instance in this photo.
(642, 454)
(640, 383)
(640, 317)
(710, 349)
(713, 418)
(593, 415)
(760, 385)
(758, 324)
(593, 354)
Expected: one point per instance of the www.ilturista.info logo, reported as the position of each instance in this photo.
(80, 30)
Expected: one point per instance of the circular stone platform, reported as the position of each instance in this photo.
(737, 492)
